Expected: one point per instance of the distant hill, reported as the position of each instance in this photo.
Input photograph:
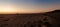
(54, 11)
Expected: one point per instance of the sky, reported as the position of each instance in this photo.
(28, 6)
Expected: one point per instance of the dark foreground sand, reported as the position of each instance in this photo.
(30, 20)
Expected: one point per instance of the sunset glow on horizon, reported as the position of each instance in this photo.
(12, 6)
